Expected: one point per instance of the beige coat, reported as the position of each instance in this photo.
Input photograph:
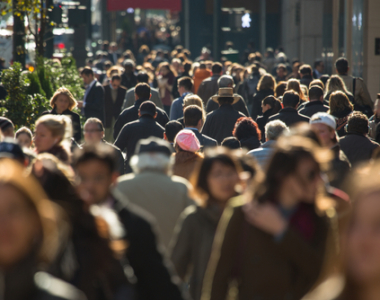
(162, 196)
(361, 96)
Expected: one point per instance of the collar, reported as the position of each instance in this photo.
(138, 102)
(314, 102)
(288, 110)
(268, 144)
(91, 84)
(192, 128)
(185, 93)
(226, 106)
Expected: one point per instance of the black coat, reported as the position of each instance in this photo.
(250, 143)
(132, 132)
(75, 120)
(262, 121)
(95, 103)
(305, 80)
(204, 140)
(357, 147)
(113, 110)
(128, 80)
(221, 122)
(313, 107)
(131, 114)
(289, 116)
(154, 277)
(257, 99)
(238, 106)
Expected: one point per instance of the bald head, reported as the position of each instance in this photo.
(225, 81)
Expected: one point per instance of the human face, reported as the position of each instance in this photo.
(115, 84)
(164, 71)
(280, 72)
(24, 140)
(321, 67)
(222, 181)
(94, 181)
(62, 103)
(43, 139)
(19, 226)
(265, 107)
(325, 134)
(92, 133)
(363, 240)
(87, 79)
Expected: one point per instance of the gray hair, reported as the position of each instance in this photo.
(151, 161)
(225, 81)
(274, 129)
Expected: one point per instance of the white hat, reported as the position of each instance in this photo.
(323, 118)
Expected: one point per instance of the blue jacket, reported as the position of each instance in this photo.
(264, 153)
(176, 110)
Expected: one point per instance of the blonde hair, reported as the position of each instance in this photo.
(338, 102)
(267, 82)
(64, 91)
(335, 83)
(294, 85)
(192, 99)
(59, 126)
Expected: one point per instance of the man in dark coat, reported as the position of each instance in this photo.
(220, 123)
(268, 109)
(146, 126)
(142, 94)
(227, 81)
(356, 144)
(128, 78)
(315, 104)
(113, 100)
(153, 273)
(193, 118)
(209, 86)
(93, 100)
(306, 73)
(289, 114)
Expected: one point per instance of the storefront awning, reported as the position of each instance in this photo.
(173, 5)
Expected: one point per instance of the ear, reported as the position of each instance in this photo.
(200, 123)
(165, 137)
(139, 114)
(150, 96)
(115, 175)
(155, 116)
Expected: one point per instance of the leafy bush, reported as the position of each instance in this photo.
(43, 76)
(34, 85)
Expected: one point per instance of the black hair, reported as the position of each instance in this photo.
(142, 90)
(231, 143)
(306, 70)
(341, 65)
(87, 71)
(357, 123)
(116, 77)
(225, 100)
(186, 82)
(142, 77)
(171, 130)
(315, 92)
(291, 99)
(216, 68)
(192, 114)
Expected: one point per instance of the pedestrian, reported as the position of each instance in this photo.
(248, 133)
(214, 184)
(269, 106)
(335, 83)
(294, 84)
(199, 75)
(165, 80)
(340, 108)
(231, 143)
(209, 86)
(265, 88)
(7, 128)
(306, 74)
(315, 103)
(185, 87)
(24, 137)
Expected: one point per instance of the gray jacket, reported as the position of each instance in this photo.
(130, 98)
(264, 153)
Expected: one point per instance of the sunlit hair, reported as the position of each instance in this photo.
(335, 83)
(114, 70)
(64, 91)
(167, 66)
(53, 160)
(267, 82)
(338, 102)
(245, 128)
(59, 126)
(152, 162)
(47, 243)
(294, 84)
(24, 130)
(317, 82)
(280, 89)
(192, 99)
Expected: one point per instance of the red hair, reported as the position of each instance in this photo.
(246, 127)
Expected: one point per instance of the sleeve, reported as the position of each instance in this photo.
(207, 127)
(243, 107)
(118, 126)
(122, 138)
(211, 106)
(129, 100)
(174, 112)
(201, 92)
(120, 162)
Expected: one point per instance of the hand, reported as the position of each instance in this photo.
(266, 217)
(80, 104)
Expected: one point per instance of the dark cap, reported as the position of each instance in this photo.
(9, 148)
(153, 144)
(148, 108)
(5, 123)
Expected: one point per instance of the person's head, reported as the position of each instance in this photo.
(63, 100)
(185, 84)
(217, 68)
(324, 125)
(142, 77)
(267, 82)
(294, 85)
(231, 143)
(87, 75)
(335, 83)
(293, 172)
(193, 116)
(186, 140)
(216, 177)
(246, 128)
(142, 91)
(29, 222)
(115, 81)
(6, 127)
(192, 99)
(225, 96)
(9, 148)
(280, 89)
(171, 130)
(271, 103)
(96, 172)
(274, 129)
(24, 137)
(339, 102)
(319, 65)
(291, 99)
(148, 109)
(306, 70)
(316, 93)
(164, 68)
(51, 131)
(93, 131)
(152, 154)
(186, 66)
(357, 123)
(129, 66)
(341, 66)
(317, 82)
(225, 81)
(281, 71)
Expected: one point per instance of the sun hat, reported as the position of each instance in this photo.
(226, 93)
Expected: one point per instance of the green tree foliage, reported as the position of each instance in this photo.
(34, 85)
(45, 81)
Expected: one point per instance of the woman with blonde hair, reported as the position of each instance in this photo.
(294, 84)
(335, 83)
(265, 88)
(192, 99)
(63, 103)
(53, 135)
(340, 108)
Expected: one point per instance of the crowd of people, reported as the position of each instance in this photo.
(199, 180)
